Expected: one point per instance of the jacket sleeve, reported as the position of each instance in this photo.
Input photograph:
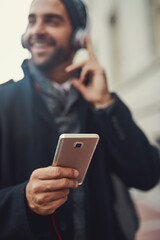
(13, 213)
(16, 221)
(133, 158)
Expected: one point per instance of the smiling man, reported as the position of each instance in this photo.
(48, 35)
(37, 200)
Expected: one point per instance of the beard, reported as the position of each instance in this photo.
(59, 56)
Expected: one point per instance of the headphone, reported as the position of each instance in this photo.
(24, 45)
(79, 34)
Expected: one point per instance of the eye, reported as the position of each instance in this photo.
(54, 20)
(31, 20)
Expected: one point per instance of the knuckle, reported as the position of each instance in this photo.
(40, 199)
(65, 182)
(46, 187)
(35, 187)
(34, 174)
(57, 172)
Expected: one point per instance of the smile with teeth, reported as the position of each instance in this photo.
(40, 45)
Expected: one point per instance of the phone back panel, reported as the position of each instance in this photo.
(76, 151)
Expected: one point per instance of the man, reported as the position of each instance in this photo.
(38, 201)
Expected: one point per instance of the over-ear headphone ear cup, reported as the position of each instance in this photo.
(79, 38)
(23, 41)
(80, 34)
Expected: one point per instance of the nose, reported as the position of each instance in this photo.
(39, 28)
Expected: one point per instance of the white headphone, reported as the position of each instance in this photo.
(79, 35)
(24, 45)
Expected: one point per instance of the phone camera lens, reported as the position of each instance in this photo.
(77, 145)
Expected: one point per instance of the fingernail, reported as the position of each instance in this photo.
(76, 173)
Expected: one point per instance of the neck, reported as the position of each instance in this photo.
(58, 73)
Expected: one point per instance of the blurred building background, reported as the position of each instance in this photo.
(126, 39)
(126, 36)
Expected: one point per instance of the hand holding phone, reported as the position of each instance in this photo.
(76, 151)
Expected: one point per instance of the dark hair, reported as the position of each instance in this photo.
(77, 12)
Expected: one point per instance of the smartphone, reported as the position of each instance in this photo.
(76, 151)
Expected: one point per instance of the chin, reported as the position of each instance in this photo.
(39, 61)
(48, 62)
(43, 65)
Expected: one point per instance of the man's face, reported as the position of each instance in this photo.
(48, 35)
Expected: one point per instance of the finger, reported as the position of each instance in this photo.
(90, 48)
(79, 86)
(54, 173)
(84, 74)
(63, 183)
(45, 198)
(48, 208)
(53, 185)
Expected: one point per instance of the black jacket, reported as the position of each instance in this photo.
(28, 138)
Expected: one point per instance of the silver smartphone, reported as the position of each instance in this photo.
(76, 151)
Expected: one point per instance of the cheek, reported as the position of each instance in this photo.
(62, 36)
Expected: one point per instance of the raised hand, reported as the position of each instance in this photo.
(96, 90)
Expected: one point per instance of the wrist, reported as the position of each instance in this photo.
(105, 102)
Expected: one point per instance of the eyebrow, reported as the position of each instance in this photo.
(48, 15)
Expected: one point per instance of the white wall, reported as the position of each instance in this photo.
(13, 20)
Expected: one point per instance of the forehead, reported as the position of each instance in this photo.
(48, 6)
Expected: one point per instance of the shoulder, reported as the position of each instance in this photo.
(7, 89)
(12, 92)
(6, 84)
(12, 85)
(9, 84)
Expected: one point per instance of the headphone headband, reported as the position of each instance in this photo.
(77, 12)
(79, 16)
